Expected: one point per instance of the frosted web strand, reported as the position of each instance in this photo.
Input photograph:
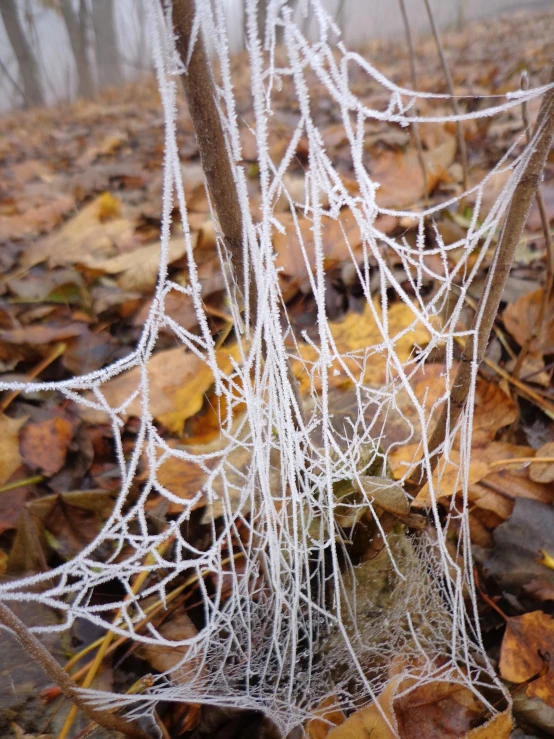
(285, 622)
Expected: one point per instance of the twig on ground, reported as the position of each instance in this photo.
(476, 344)
(56, 352)
(38, 652)
(453, 101)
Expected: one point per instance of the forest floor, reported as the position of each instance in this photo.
(80, 219)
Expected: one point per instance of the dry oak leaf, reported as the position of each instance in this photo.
(10, 456)
(543, 471)
(44, 444)
(337, 237)
(327, 714)
(83, 239)
(525, 639)
(40, 219)
(361, 334)
(438, 710)
(400, 178)
(177, 383)
(521, 317)
(498, 727)
(138, 269)
(164, 658)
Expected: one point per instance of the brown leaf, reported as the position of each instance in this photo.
(163, 658)
(138, 269)
(526, 638)
(42, 334)
(520, 319)
(83, 239)
(328, 715)
(177, 383)
(336, 238)
(543, 471)
(37, 220)
(68, 528)
(44, 444)
(10, 457)
(498, 727)
(370, 721)
(436, 711)
(401, 179)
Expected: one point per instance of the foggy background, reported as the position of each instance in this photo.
(76, 47)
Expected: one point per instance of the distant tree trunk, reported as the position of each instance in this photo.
(108, 60)
(22, 50)
(77, 32)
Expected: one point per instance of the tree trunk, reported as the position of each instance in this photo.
(105, 42)
(22, 50)
(76, 30)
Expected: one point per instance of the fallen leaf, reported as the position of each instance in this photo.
(543, 471)
(87, 509)
(447, 476)
(400, 177)
(361, 336)
(108, 207)
(41, 219)
(44, 445)
(10, 458)
(138, 269)
(84, 238)
(68, 528)
(520, 319)
(173, 659)
(514, 559)
(328, 714)
(374, 721)
(526, 638)
(177, 383)
(337, 237)
(436, 711)
(498, 727)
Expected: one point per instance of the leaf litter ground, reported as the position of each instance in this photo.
(81, 217)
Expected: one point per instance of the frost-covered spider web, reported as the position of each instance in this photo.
(292, 613)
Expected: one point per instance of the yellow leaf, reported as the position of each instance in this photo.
(546, 559)
(177, 383)
(359, 334)
(499, 727)
(10, 458)
(108, 207)
(370, 721)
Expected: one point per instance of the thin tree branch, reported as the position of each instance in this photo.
(38, 652)
(453, 101)
(201, 97)
(413, 74)
(487, 308)
(549, 278)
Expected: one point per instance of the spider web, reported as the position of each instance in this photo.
(288, 618)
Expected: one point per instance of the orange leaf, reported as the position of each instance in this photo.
(44, 445)
(525, 639)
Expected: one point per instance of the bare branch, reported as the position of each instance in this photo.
(487, 309)
(549, 278)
